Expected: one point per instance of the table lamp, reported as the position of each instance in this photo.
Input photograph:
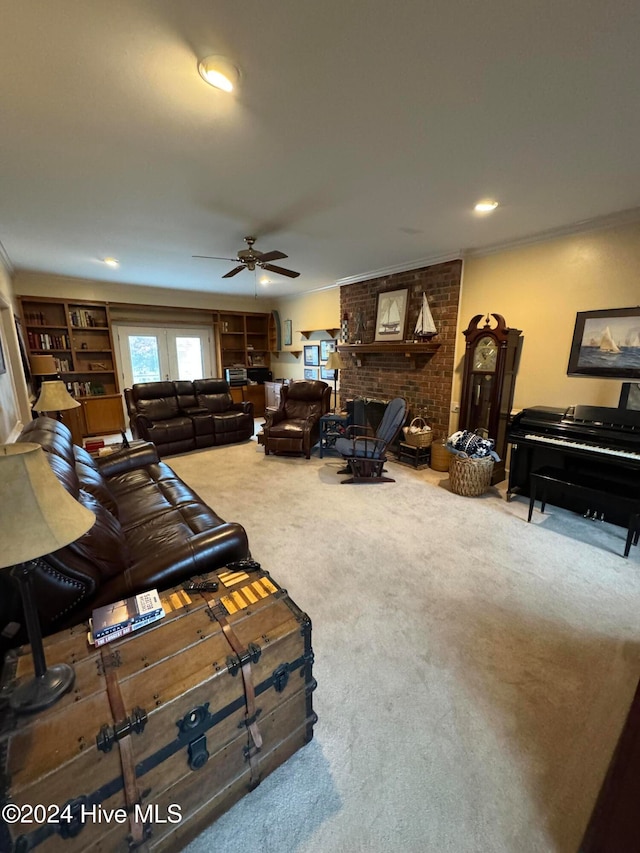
(335, 363)
(37, 516)
(43, 365)
(54, 397)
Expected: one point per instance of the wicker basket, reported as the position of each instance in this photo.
(440, 457)
(418, 439)
(470, 477)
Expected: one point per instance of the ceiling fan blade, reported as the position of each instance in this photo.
(280, 270)
(273, 256)
(234, 271)
(214, 258)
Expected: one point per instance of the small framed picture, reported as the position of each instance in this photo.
(327, 374)
(325, 348)
(287, 333)
(310, 373)
(311, 357)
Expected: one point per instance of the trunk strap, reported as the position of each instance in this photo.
(219, 614)
(127, 761)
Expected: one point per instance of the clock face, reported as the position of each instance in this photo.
(485, 355)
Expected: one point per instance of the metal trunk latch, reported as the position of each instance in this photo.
(280, 677)
(198, 754)
(108, 735)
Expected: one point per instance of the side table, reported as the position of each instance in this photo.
(416, 456)
(332, 426)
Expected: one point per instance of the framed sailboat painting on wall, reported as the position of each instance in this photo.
(606, 344)
(391, 315)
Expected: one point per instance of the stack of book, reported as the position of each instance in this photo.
(123, 617)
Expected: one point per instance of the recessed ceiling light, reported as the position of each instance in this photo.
(265, 280)
(218, 71)
(486, 206)
(111, 262)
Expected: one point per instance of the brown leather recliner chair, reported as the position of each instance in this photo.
(295, 426)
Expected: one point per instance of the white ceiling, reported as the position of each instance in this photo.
(360, 137)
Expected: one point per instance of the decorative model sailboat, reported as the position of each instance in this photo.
(607, 344)
(425, 327)
(390, 319)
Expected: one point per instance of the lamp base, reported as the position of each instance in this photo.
(42, 691)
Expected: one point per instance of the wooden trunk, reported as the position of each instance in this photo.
(190, 733)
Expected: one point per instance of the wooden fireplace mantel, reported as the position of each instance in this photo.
(409, 349)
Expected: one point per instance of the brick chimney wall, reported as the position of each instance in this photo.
(427, 385)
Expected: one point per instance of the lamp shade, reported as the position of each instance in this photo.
(37, 514)
(335, 362)
(54, 397)
(43, 365)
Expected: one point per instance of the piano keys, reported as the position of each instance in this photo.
(601, 442)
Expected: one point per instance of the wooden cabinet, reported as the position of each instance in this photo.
(249, 393)
(77, 334)
(243, 339)
(94, 416)
(255, 394)
(103, 415)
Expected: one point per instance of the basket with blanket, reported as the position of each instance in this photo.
(471, 465)
(418, 433)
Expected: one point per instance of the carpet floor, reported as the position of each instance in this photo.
(474, 671)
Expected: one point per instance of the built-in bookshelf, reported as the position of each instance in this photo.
(78, 335)
(243, 339)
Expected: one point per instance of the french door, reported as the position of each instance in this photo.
(152, 354)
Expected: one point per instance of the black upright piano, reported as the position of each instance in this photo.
(603, 443)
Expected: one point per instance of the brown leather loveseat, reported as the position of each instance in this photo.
(182, 416)
(151, 531)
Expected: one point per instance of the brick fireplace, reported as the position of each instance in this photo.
(424, 380)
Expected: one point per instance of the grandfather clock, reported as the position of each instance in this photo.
(488, 383)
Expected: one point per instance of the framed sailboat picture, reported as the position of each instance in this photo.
(606, 344)
(391, 315)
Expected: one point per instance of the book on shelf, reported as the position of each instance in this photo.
(126, 614)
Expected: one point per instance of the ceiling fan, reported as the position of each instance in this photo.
(251, 258)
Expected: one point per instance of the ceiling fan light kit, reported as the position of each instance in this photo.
(218, 71)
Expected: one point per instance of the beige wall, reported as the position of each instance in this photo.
(312, 311)
(41, 284)
(539, 288)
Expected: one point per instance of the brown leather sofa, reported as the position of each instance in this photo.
(182, 416)
(151, 531)
(294, 427)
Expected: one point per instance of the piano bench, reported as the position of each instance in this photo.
(598, 497)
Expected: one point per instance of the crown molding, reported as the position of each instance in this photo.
(406, 266)
(611, 220)
(597, 223)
